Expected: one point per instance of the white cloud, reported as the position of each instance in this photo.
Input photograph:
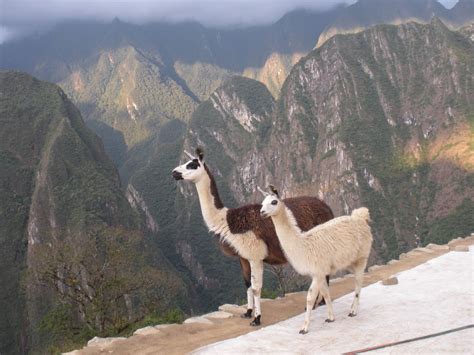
(211, 12)
(24, 15)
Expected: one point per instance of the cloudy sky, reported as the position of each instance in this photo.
(17, 16)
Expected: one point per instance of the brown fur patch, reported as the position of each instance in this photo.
(308, 211)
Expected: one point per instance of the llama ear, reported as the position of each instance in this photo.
(189, 155)
(273, 190)
(200, 154)
(263, 192)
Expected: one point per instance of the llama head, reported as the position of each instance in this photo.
(193, 170)
(272, 204)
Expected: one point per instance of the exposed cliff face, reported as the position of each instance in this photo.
(58, 188)
(382, 118)
(366, 13)
(367, 113)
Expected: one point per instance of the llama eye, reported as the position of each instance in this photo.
(274, 202)
(193, 164)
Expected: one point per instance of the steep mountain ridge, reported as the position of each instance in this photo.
(392, 92)
(61, 196)
(366, 13)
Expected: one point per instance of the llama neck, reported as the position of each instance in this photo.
(286, 228)
(211, 204)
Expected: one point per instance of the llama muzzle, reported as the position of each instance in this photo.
(177, 175)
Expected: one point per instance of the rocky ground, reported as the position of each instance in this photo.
(226, 323)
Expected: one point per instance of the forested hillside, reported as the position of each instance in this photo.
(75, 258)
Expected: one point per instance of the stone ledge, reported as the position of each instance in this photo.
(218, 315)
(98, 341)
(146, 331)
(199, 320)
(459, 248)
(374, 267)
(434, 246)
(454, 241)
(232, 308)
(424, 250)
(390, 281)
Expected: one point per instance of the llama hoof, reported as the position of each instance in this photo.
(329, 320)
(247, 314)
(352, 314)
(255, 322)
(303, 331)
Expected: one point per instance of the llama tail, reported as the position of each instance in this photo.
(362, 213)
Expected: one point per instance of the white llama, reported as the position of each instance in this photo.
(341, 243)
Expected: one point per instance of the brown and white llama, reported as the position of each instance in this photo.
(243, 232)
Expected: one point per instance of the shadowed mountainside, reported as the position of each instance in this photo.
(65, 224)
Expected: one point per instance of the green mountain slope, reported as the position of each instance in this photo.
(129, 90)
(66, 218)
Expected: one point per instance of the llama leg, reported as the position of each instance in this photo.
(320, 300)
(310, 298)
(245, 266)
(358, 279)
(257, 282)
(250, 303)
(324, 290)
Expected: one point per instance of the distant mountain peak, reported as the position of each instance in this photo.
(437, 22)
(367, 13)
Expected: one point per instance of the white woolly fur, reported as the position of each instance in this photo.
(341, 243)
